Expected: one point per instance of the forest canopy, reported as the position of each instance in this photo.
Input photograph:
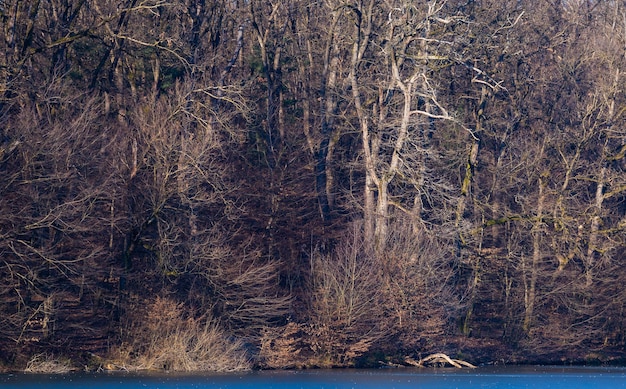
(214, 185)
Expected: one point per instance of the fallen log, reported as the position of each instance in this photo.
(438, 358)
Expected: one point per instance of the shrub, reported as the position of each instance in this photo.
(167, 340)
(346, 316)
(48, 364)
(281, 347)
(397, 300)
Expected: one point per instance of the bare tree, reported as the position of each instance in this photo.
(400, 115)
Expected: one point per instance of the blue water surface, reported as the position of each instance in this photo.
(482, 377)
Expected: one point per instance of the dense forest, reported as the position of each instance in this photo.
(221, 184)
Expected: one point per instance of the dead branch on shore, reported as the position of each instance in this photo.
(438, 358)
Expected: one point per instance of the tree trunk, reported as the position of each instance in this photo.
(328, 106)
(530, 275)
(595, 227)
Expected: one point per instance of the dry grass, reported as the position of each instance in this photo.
(166, 340)
(48, 364)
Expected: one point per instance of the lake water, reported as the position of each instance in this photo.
(482, 377)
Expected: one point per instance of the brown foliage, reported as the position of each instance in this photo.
(281, 347)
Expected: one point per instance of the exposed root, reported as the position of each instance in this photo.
(439, 358)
